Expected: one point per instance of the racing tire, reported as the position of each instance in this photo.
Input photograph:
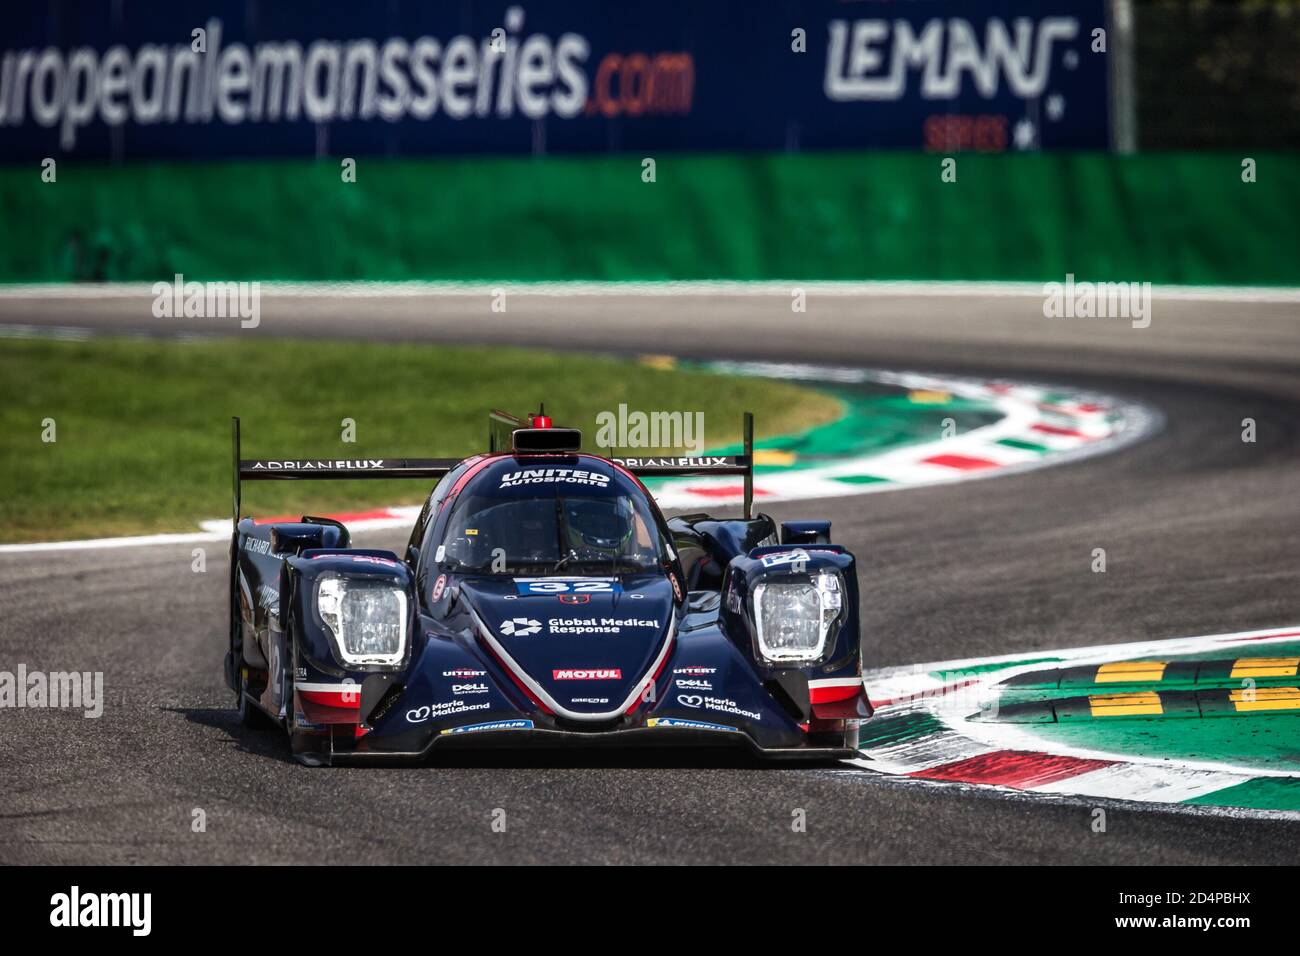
(851, 735)
(250, 715)
(310, 750)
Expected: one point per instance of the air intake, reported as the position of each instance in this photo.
(546, 440)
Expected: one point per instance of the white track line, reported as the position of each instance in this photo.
(772, 287)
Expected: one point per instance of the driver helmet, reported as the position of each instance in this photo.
(598, 523)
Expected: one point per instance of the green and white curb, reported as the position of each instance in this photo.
(1209, 723)
(959, 429)
(1028, 426)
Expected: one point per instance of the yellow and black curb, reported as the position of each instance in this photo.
(1245, 700)
(1165, 673)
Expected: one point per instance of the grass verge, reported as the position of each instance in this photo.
(142, 426)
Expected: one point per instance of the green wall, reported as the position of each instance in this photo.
(1171, 217)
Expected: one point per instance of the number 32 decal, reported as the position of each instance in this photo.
(547, 586)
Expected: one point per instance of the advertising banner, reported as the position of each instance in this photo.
(148, 79)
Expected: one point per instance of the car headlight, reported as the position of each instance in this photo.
(366, 618)
(794, 618)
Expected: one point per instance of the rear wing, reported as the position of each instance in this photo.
(703, 466)
(299, 469)
(504, 433)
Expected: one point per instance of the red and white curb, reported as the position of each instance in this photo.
(1073, 425)
(1008, 758)
(218, 529)
(372, 519)
(1040, 426)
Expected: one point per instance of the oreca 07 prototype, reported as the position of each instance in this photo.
(543, 599)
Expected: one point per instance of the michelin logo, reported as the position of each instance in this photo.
(491, 725)
(687, 724)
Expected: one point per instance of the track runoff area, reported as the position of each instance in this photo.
(898, 430)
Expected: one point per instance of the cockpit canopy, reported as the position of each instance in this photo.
(529, 516)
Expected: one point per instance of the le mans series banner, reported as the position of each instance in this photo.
(165, 79)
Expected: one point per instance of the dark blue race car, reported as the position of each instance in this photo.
(543, 599)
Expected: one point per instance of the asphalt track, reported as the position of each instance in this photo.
(1201, 530)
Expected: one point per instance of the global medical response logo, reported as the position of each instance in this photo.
(520, 627)
(590, 673)
(537, 476)
(594, 625)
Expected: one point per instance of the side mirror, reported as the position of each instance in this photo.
(805, 532)
(297, 537)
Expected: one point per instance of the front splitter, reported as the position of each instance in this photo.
(632, 739)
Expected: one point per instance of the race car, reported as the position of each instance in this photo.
(543, 599)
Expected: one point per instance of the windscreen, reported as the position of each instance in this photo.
(535, 523)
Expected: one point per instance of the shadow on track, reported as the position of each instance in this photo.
(272, 745)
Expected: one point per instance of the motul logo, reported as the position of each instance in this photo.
(612, 673)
